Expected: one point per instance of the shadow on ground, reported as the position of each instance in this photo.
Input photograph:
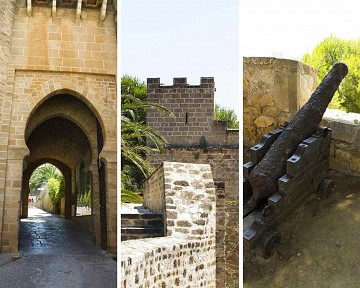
(55, 253)
(320, 243)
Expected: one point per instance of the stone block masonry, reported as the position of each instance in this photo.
(43, 55)
(193, 109)
(186, 256)
(195, 137)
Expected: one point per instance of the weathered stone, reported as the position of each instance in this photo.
(183, 223)
(264, 121)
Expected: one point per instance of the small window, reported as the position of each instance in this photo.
(186, 118)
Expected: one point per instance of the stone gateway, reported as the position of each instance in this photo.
(58, 106)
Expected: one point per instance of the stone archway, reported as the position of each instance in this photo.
(64, 130)
(88, 102)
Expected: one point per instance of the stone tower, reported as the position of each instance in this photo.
(195, 137)
(58, 106)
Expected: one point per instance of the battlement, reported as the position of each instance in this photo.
(102, 5)
(193, 121)
(181, 82)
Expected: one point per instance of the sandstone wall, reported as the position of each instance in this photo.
(62, 42)
(42, 55)
(186, 257)
(7, 14)
(273, 91)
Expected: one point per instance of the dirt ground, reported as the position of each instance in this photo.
(320, 243)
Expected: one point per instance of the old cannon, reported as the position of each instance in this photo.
(286, 166)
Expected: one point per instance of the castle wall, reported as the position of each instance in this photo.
(220, 151)
(186, 256)
(7, 14)
(193, 112)
(62, 42)
(43, 55)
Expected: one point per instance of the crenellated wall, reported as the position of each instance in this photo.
(195, 137)
(185, 257)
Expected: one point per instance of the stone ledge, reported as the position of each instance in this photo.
(345, 126)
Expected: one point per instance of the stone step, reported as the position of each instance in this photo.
(128, 233)
(141, 220)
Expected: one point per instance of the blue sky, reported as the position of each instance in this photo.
(183, 38)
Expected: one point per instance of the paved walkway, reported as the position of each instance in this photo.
(56, 253)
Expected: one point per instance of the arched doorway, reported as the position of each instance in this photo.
(64, 131)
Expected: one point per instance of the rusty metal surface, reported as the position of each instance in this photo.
(305, 173)
(263, 178)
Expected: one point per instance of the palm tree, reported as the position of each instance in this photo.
(50, 175)
(42, 174)
(134, 136)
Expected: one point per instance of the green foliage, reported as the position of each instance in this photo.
(228, 115)
(41, 175)
(50, 175)
(203, 143)
(55, 189)
(134, 136)
(128, 196)
(331, 50)
(84, 200)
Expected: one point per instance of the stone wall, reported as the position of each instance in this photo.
(155, 199)
(345, 140)
(273, 91)
(193, 109)
(193, 120)
(224, 163)
(7, 14)
(186, 256)
(167, 262)
(62, 42)
(45, 54)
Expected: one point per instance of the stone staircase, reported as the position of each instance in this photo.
(139, 226)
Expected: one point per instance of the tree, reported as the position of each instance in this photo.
(134, 136)
(55, 190)
(228, 115)
(50, 175)
(41, 175)
(333, 49)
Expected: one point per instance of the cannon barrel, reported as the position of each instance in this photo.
(264, 177)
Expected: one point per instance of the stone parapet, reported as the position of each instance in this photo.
(188, 201)
(345, 141)
(274, 90)
(187, 256)
(167, 262)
